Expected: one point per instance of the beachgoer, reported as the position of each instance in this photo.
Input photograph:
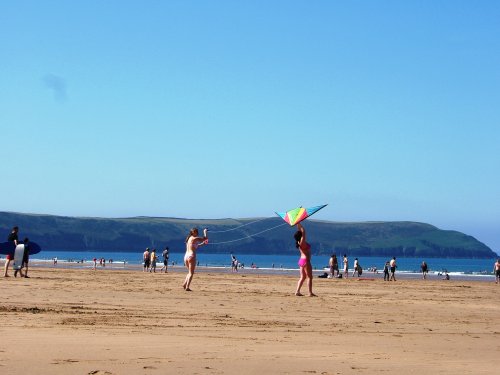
(356, 265)
(165, 260)
(26, 257)
(346, 266)
(424, 269)
(496, 270)
(95, 264)
(234, 264)
(153, 259)
(393, 265)
(386, 271)
(304, 261)
(13, 237)
(446, 276)
(146, 259)
(192, 244)
(334, 265)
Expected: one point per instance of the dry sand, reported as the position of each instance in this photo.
(66, 321)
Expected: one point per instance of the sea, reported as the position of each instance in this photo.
(479, 269)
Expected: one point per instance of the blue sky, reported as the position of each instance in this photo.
(386, 110)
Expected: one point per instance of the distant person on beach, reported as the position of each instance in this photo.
(304, 261)
(26, 257)
(13, 237)
(334, 265)
(393, 268)
(496, 270)
(165, 260)
(446, 276)
(424, 270)
(386, 271)
(146, 259)
(94, 267)
(356, 267)
(234, 264)
(192, 243)
(346, 266)
(153, 259)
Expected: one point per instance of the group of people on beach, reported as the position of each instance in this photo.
(14, 239)
(150, 260)
(194, 241)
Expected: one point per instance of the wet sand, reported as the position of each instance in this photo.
(80, 321)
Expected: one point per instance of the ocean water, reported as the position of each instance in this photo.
(287, 262)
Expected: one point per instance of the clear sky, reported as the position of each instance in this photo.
(386, 110)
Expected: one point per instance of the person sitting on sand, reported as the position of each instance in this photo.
(192, 243)
(304, 261)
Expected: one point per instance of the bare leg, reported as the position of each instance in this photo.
(191, 265)
(303, 276)
(6, 268)
(308, 271)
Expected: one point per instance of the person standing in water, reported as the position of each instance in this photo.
(304, 261)
(192, 243)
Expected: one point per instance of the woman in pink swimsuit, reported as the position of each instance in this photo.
(192, 243)
(304, 261)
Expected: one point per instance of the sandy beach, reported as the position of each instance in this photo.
(79, 321)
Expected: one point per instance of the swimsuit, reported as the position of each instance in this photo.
(190, 250)
(304, 247)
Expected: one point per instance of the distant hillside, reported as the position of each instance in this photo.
(408, 239)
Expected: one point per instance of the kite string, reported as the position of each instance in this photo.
(248, 236)
(241, 226)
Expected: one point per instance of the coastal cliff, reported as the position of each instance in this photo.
(250, 235)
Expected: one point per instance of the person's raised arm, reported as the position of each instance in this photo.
(303, 231)
(204, 238)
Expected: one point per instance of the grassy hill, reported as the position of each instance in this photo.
(134, 234)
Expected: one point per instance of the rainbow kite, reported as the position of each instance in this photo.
(298, 214)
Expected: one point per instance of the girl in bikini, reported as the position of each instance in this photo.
(192, 243)
(304, 261)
